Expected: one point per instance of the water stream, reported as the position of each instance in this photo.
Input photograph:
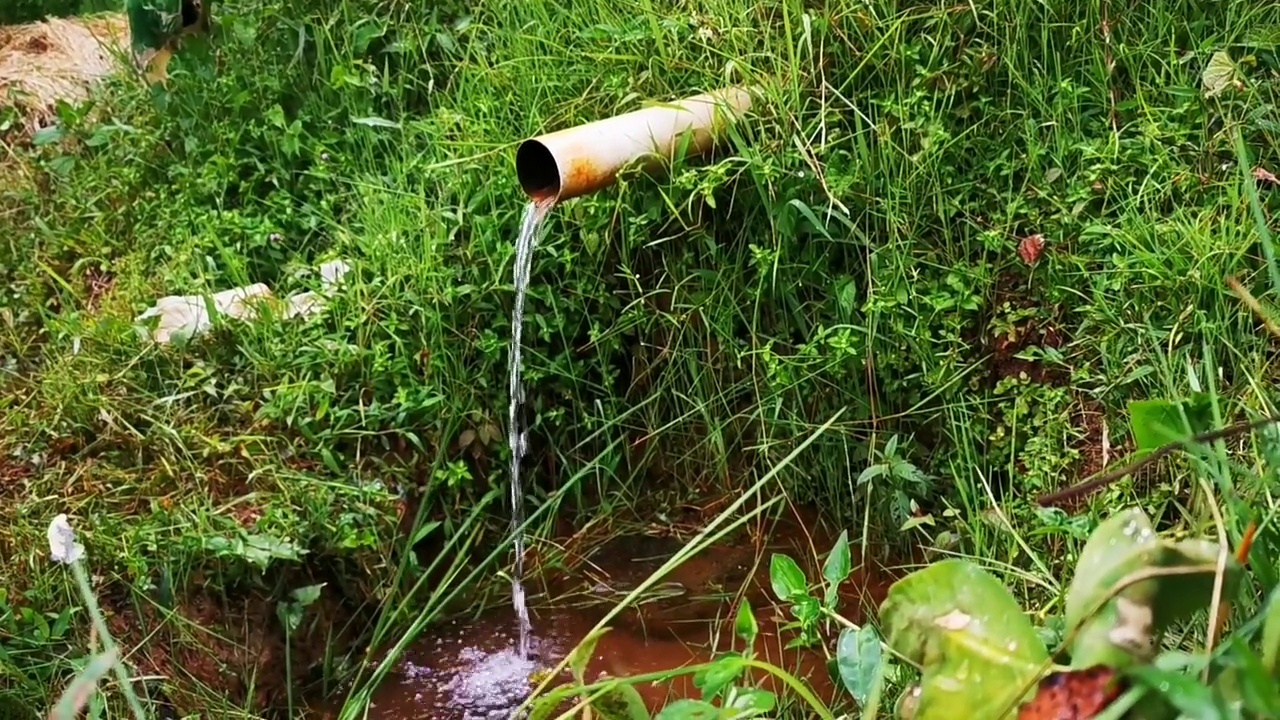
(535, 214)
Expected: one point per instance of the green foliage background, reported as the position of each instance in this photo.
(853, 248)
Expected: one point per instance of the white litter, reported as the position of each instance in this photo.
(185, 316)
(306, 304)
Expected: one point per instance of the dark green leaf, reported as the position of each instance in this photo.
(290, 615)
(426, 529)
(622, 702)
(837, 567)
(745, 624)
(786, 577)
(807, 213)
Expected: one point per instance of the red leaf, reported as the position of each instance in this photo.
(1073, 695)
(1030, 248)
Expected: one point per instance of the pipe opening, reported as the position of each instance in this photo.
(537, 171)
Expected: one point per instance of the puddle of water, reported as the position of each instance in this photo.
(535, 214)
(473, 670)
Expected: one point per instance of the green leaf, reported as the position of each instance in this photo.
(1271, 635)
(1246, 681)
(786, 577)
(753, 700)
(719, 674)
(976, 647)
(290, 615)
(689, 710)
(1156, 423)
(858, 658)
(48, 136)
(872, 473)
(1120, 619)
(1219, 74)
(422, 532)
(806, 609)
(1181, 595)
(582, 653)
(745, 624)
(847, 297)
(308, 595)
(1191, 698)
(622, 702)
(837, 567)
(807, 213)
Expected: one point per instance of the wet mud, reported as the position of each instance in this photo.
(470, 670)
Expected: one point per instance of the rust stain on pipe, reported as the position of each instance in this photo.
(583, 159)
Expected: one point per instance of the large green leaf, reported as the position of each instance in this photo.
(976, 647)
(1113, 630)
(1120, 620)
(1155, 423)
(858, 659)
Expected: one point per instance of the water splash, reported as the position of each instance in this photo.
(535, 214)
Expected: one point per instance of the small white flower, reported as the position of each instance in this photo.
(63, 547)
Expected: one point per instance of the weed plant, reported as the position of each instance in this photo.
(852, 252)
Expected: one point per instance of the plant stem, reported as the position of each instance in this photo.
(100, 624)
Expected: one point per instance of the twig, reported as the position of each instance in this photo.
(1248, 299)
(1105, 478)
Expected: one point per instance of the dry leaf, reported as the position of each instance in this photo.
(1219, 74)
(1263, 175)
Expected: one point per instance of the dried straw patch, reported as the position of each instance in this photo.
(57, 59)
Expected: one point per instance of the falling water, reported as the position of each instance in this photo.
(534, 215)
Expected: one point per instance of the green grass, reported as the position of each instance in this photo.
(852, 252)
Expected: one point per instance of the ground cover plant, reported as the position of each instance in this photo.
(919, 288)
